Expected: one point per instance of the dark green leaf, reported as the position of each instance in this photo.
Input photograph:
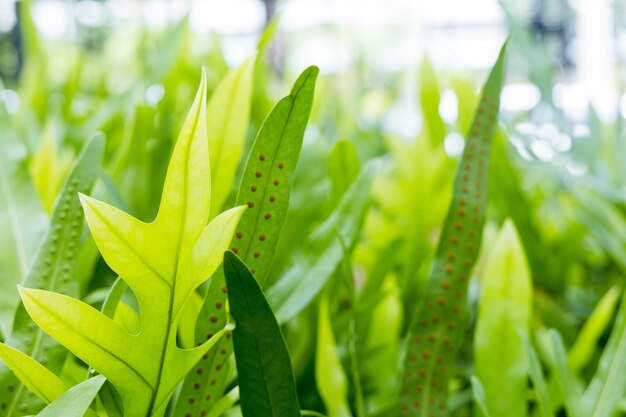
(266, 381)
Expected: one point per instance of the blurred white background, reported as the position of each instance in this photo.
(584, 38)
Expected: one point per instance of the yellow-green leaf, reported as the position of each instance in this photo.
(505, 307)
(46, 385)
(228, 114)
(161, 265)
(331, 379)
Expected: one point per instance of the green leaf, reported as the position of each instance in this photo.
(53, 269)
(504, 309)
(76, 401)
(274, 155)
(109, 398)
(266, 381)
(585, 346)
(343, 168)
(566, 385)
(306, 278)
(228, 114)
(48, 168)
(435, 335)
(34, 376)
(602, 397)
(162, 262)
(330, 377)
(429, 99)
(535, 372)
(268, 177)
(23, 222)
(478, 394)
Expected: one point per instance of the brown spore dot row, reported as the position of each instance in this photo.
(205, 384)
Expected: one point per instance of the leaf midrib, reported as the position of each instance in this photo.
(294, 97)
(86, 340)
(258, 351)
(183, 221)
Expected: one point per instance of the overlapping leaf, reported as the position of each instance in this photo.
(266, 381)
(504, 309)
(602, 397)
(265, 188)
(53, 269)
(75, 402)
(330, 377)
(228, 114)
(162, 262)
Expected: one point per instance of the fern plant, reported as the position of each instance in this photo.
(435, 334)
(163, 262)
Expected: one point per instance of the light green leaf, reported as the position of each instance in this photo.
(429, 99)
(48, 167)
(343, 168)
(39, 380)
(602, 397)
(569, 390)
(54, 268)
(228, 114)
(504, 309)
(478, 394)
(23, 222)
(535, 372)
(109, 398)
(587, 340)
(267, 385)
(159, 262)
(188, 318)
(76, 401)
(436, 334)
(330, 377)
(274, 155)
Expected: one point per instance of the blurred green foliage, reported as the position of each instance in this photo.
(367, 249)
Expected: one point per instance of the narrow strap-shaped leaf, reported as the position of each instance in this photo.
(330, 377)
(602, 397)
(228, 114)
(480, 399)
(265, 188)
(34, 376)
(49, 166)
(535, 372)
(53, 269)
(429, 100)
(266, 381)
(504, 310)
(76, 401)
(584, 347)
(23, 222)
(569, 390)
(435, 335)
(343, 168)
(268, 177)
